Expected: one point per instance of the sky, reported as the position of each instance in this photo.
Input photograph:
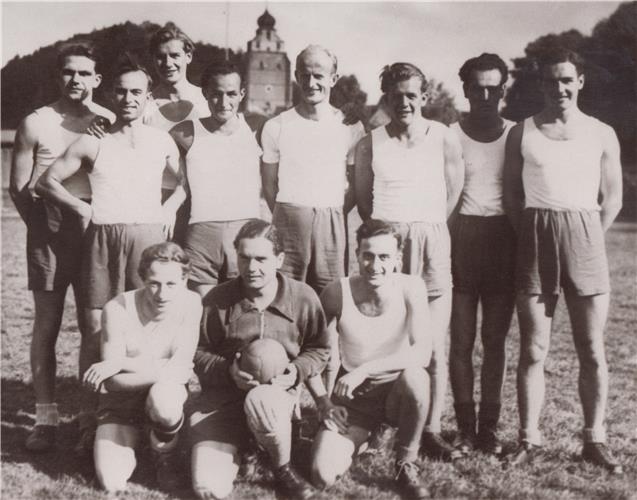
(436, 36)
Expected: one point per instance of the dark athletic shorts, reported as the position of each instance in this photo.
(210, 246)
(561, 249)
(54, 247)
(483, 255)
(123, 408)
(111, 258)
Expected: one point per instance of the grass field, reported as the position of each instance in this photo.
(559, 474)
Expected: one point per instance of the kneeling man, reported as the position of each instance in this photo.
(380, 318)
(260, 303)
(149, 337)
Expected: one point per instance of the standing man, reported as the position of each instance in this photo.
(148, 340)
(482, 257)
(260, 303)
(175, 100)
(124, 169)
(379, 319)
(54, 236)
(410, 173)
(560, 230)
(307, 152)
(222, 165)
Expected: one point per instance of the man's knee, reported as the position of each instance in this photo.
(164, 404)
(112, 477)
(414, 382)
(267, 409)
(438, 363)
(220, 458)
(534, 352)
(331, 457)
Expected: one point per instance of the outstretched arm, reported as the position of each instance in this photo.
(364, 178)
(454, 170)
(610, 189)
(22, 164)
(513, 189)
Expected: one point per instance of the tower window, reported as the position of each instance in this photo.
(257, 45)
(278, 45)
(268, 34)
(261, 65)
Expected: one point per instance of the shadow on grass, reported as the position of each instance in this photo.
(17, 422)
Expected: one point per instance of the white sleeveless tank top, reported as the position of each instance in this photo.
(409, 183)
(366, 338)
(223, 174)
(484, 166)
(55, 135)
(126, 182)
(562, 174)
(155, 118)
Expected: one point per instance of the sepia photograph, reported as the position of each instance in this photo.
(318, 250)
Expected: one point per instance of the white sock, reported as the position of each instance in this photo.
(46, 414)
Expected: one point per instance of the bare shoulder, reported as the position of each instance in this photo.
(192, 300)
(413, 287)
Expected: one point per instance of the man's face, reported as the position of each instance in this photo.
(171, 61)
(378, 258)
(405, 101)
(315, 77)
(77, 78)
(257, 262)
(130, 95)
(163, 284)
(561, 85)
(224, 95)
(484, 91)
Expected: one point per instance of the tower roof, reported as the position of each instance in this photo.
(266, 21)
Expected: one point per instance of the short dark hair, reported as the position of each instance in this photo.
(258, 228)
(483, 62)
(169, 32)
(399, 72)
(127, 63)
(377, 227)
(217, 68)
(163, 252)
(77, 48)
(559, 54)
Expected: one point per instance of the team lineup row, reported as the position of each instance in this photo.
(483, 213)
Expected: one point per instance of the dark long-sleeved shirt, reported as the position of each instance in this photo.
(295, 318)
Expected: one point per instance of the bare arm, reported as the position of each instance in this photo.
(513, 189)
(49, 186)
(454, 170)
(610, 189)
(364, 178)
(349, 201)
(22, 164)
(270, 180)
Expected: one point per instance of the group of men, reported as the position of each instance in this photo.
(481, 213)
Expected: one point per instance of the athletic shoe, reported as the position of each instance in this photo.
(168, 469)
(291, 484)
(487, 442)
(84, 446)
(524, 454)
(464, 442)
(434, 446)
(408, 481)
(42, 438)
(599, 454)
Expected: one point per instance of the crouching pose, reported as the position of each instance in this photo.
(149, 337)
(260, 303)
(381, 321)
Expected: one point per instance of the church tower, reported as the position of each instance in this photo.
(268, 88)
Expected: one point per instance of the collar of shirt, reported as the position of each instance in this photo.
(283, 303)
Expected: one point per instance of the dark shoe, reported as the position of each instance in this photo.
(42, 438)
(292, 485)
(487, 442)
(434, 446)
(599, 454)
(84, 446)
(375, 441)
(464, 442)
(168, 469)
(524, 454)
(408, 481)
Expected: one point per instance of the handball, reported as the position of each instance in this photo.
(264, 359)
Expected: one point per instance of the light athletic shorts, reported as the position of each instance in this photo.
(561, 249)
(427, 253)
